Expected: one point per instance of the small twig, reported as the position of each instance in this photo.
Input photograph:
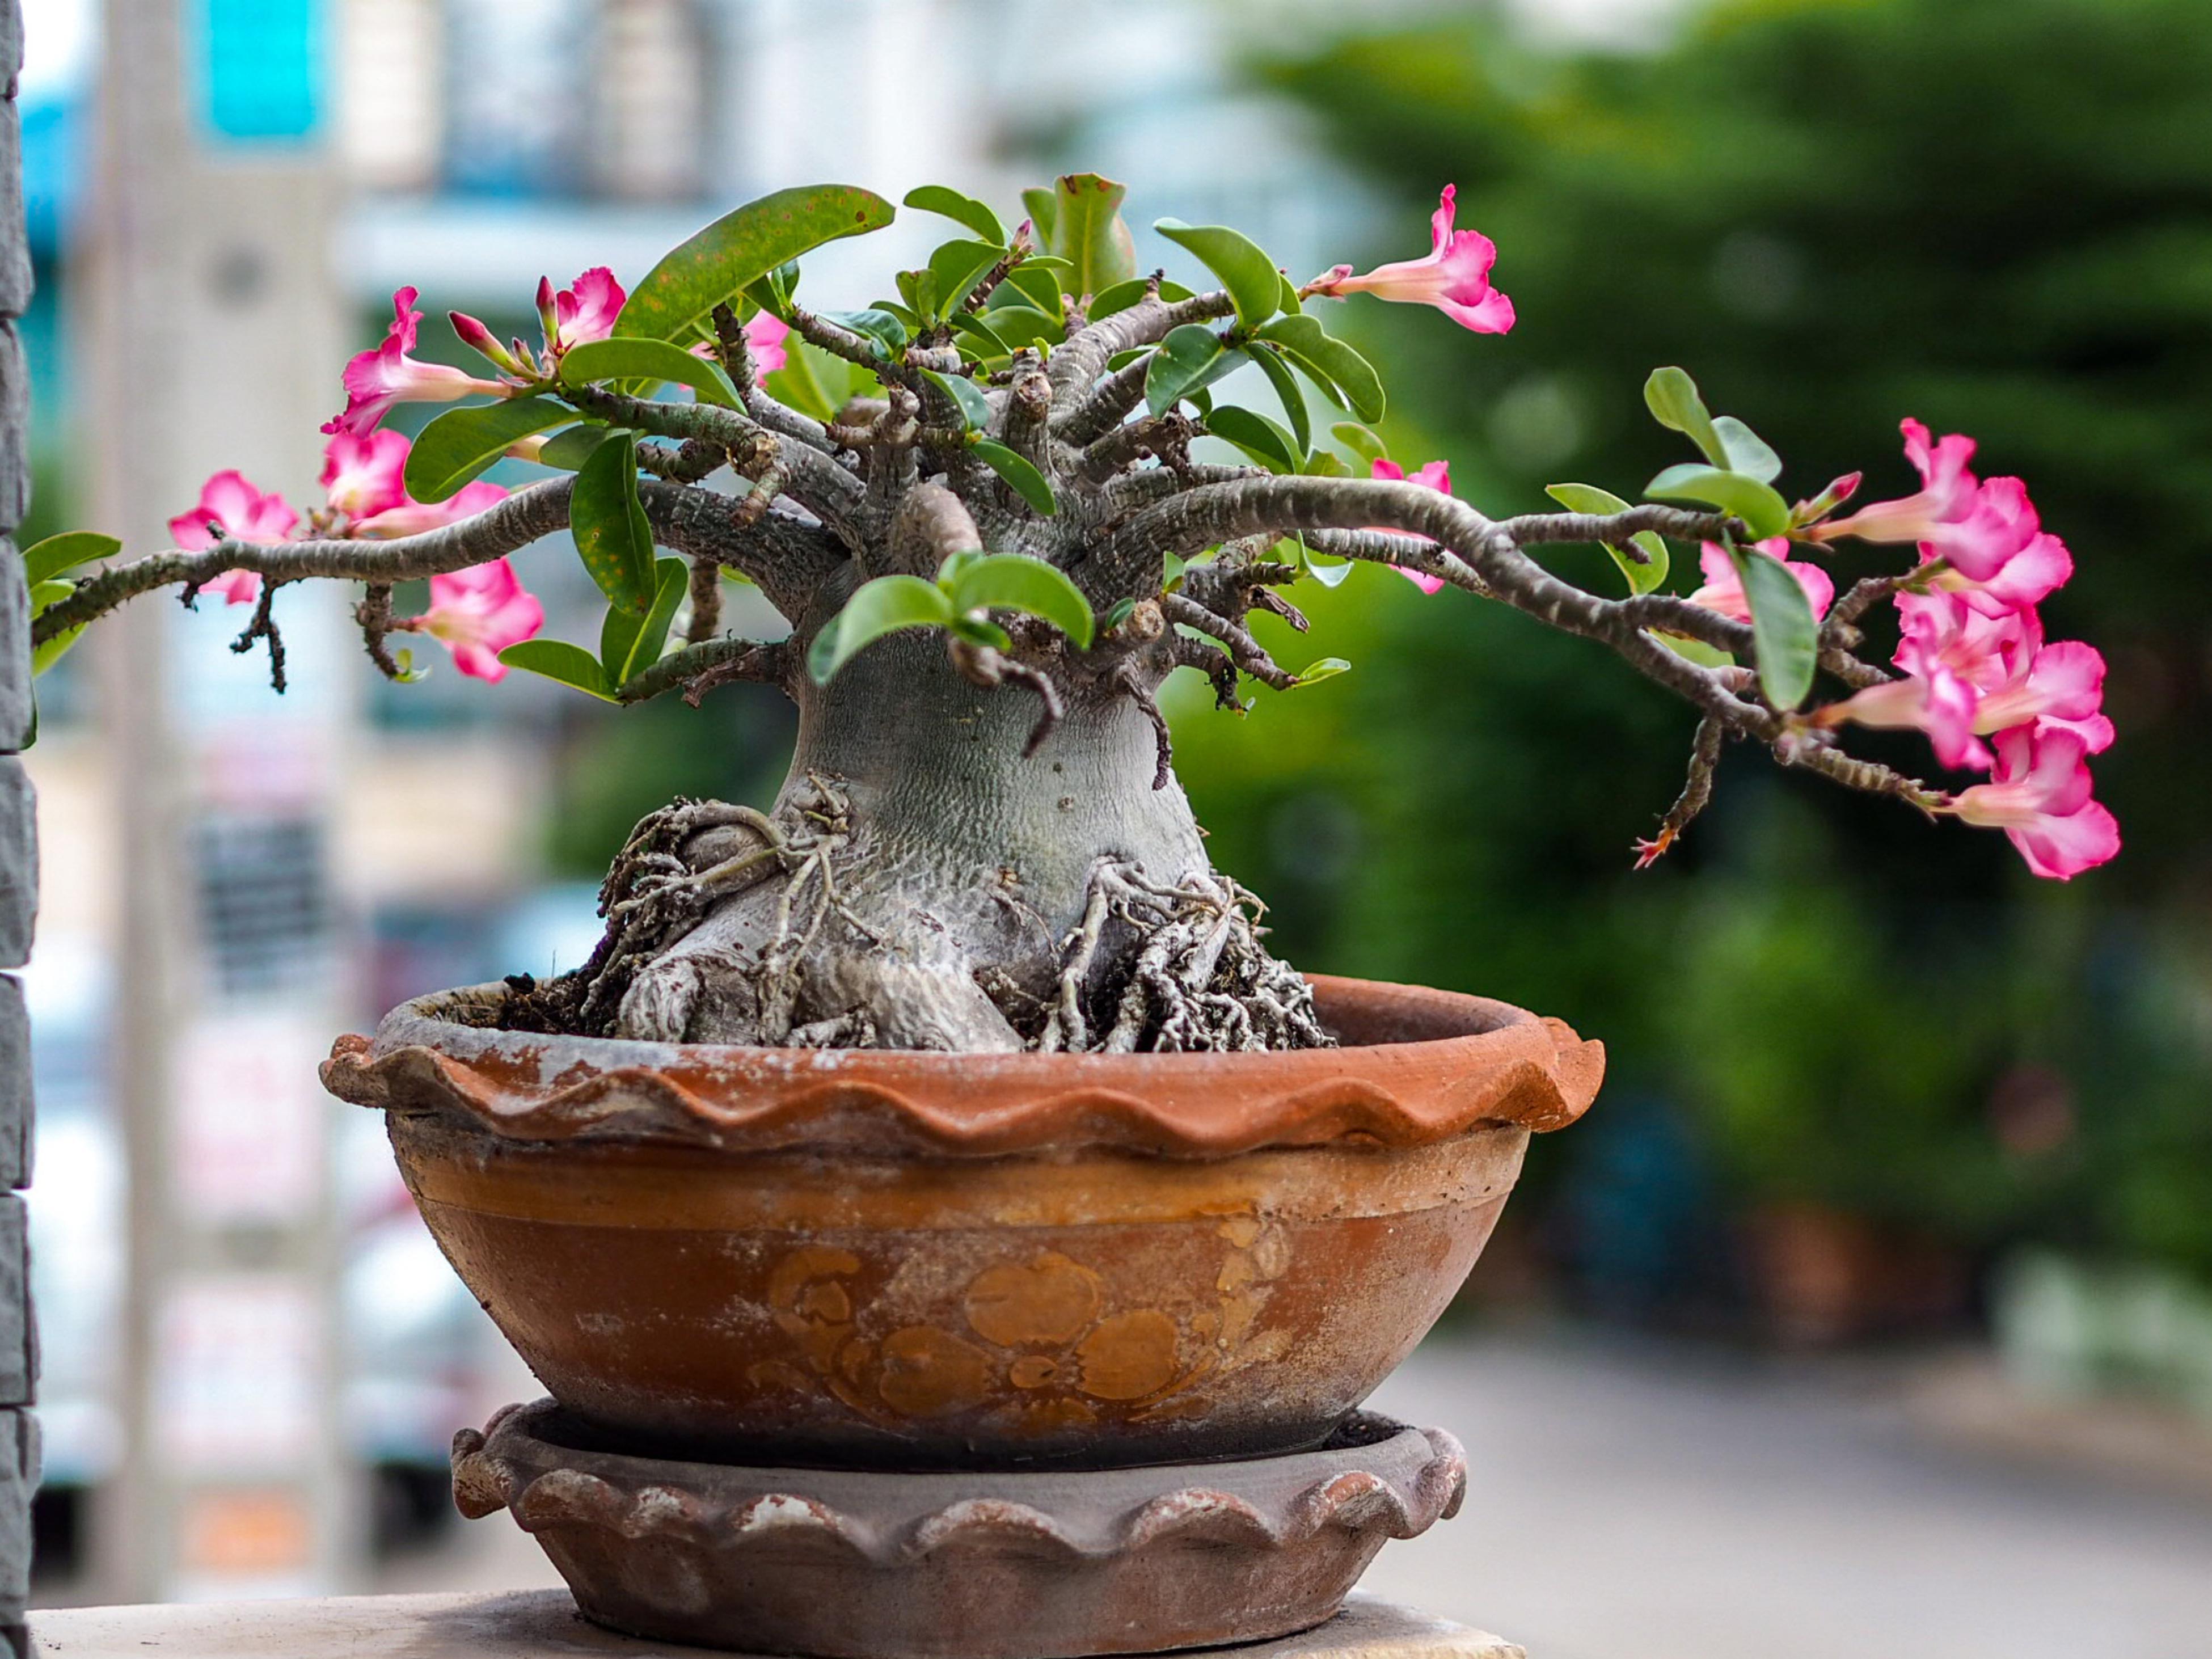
(374, 613)
(1697, 790)
(264, 627)
(1125, 675)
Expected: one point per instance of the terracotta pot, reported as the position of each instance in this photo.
(906, 1260)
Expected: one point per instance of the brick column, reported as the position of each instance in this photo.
(19, 873)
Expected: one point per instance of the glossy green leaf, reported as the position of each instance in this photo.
(745, 244)
(1288, 299)
(1014, 581)
(967, 397)
(1027, 482)
(1257, 436)
(558, 660)
(45, 595)
(45, 655)
(1044, 209)
(1088, 232)
(462, 442)
(1327, 669)
(1746, 451)
(1672, 396)
(1764, 512)
(903, 314)
(1326, 463)
(981, 630)
(957, 267)
(1020, 325)
(875, 323)
(1784, 632)
(1288, 393)
(1362, 442)
(1335, 366)
(1243, 265)
(1037, 282)
(1120, 611)
(570, 449)
(962, 210)
(628, 645)
(1589, 498)
(612, 536)
(1122, 295)
(981, 336)
(1187, 360)
(656, 360)
(44, 560)
(877, 608)
(1696, 650)
(919, 289)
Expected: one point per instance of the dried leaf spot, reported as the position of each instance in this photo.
(928, 1372)
(1050, 1301)
(1129, 1356)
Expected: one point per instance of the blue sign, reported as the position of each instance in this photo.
(261, 70)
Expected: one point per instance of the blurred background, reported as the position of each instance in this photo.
(1874, 1302)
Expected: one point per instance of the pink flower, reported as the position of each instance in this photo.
(482, 341)
(1724, 591)
(408, 516)
(1978, 526)
(376, 379)
(231, 509)
(2029, 577)
(1454, 278)
(765, 335)
(582, 314)
(2039, 798)
(477, 612)
(1437, 475)
(361, 475)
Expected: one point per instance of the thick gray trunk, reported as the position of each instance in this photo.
(960, 868)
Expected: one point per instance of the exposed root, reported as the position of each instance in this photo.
(1192, 977)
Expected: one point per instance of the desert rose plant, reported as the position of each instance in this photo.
(983, 507)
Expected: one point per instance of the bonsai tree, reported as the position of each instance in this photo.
(982, 507)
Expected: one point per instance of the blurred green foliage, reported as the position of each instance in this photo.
(1994, 214)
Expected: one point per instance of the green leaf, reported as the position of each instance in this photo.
(1764, 512)
(462, 442)
(1782, 630)
(956, 268)
(1287, 393)
(962, 210)
(1027, 482)
(628, 645)
(815, 382)
(977, 630)
(1088, 232)
(745, 244)
(1325, 464)
(1122, 295)
(1339, 370)
(974, 329)
(1037, 280)
(1257, 436)
(967, 397)
(1359, 440)
(1672, 396)
(875, 324)
(47, 594)
(50, 652)
(612, 536)
(1696, 650)
(1241, 264)
(1043, 208)
(1746, 451)
(1187, 360)
(558, 660)
(877, 608)
(1121, 611)
(1014, 581)
(1589, 498)
(1327, 669)
(1020, 325)
(1288, 300)
(906, 316)
(44, 560)
(570, 449)
(656, 360)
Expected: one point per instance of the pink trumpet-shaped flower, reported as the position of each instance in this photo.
(362, 476)
(1979, 526)
(1723, 589)
(376, 379)
(2029, 577)
(481, 340)
(410, 517)
(2039, 798)
(1437, 475)
(582, 314)
(1454, 278)
(765, 334)
(477, 612)
(232, 509)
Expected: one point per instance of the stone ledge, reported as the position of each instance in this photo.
(544, 1624)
